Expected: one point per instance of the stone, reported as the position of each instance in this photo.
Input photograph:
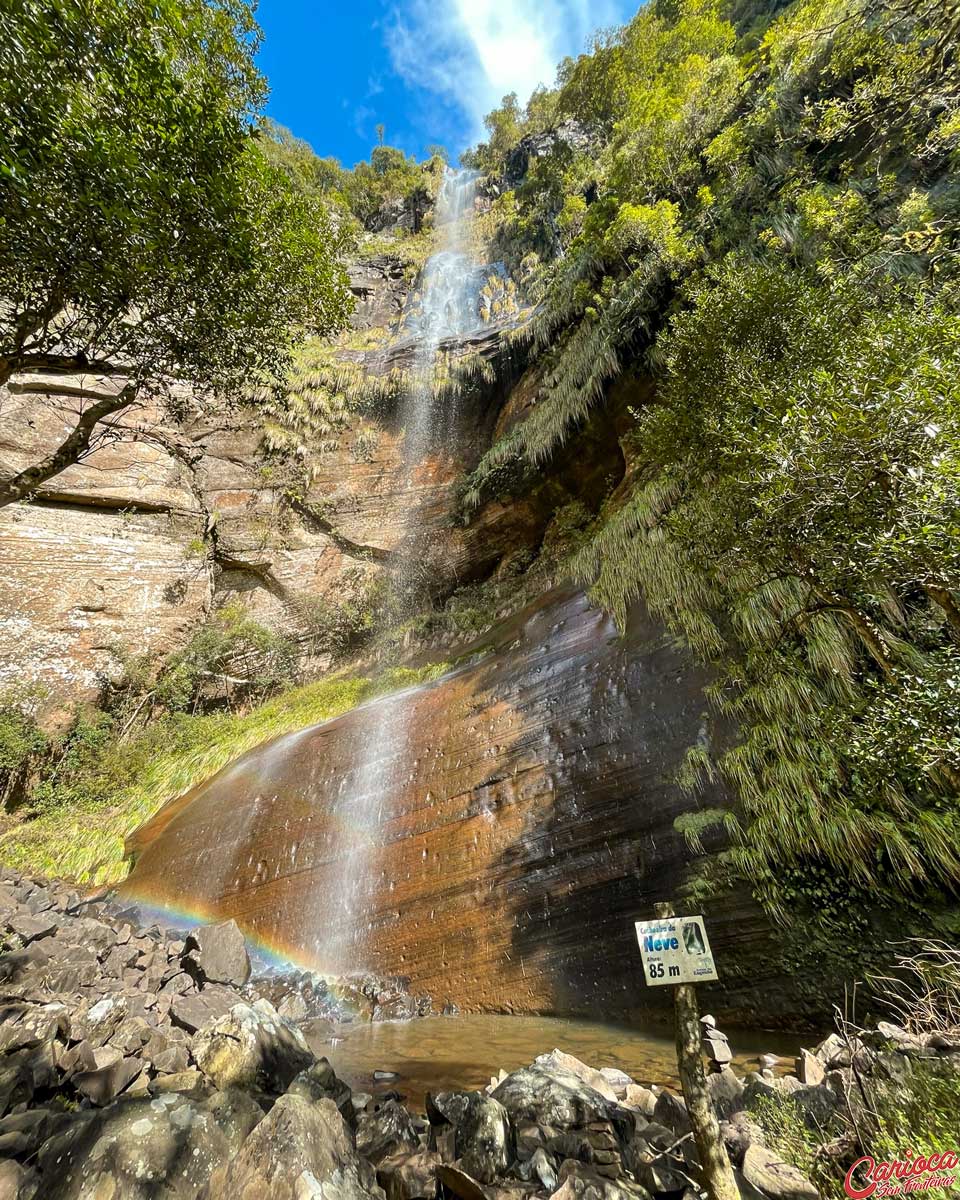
(409, 1175)
(618, 1080)
(899, 1037)
(301, 1150)
(387, 1131)
(641, 1098)
(739, 1131)
(767, 1172)
(109, 1077)
(218, 953)
(98, 1023)
(319, 1082)
(125, 1151)
(18, 1182)
(459, 1184)
(718, 1049)
(541, 1167)
(29, 928)
(483, 1142)
(190, 1081)
(557, 1098)
(810, 1070)
(579, 1182)
(557, 1060)
(671, 1111)
(252, 1046)
(195, 1010)
(726, 1091)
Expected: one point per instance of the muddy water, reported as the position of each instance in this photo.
(464, 1052)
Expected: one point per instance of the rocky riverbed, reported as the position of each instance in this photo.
(138, 1063)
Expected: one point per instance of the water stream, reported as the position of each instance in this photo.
(448, 309)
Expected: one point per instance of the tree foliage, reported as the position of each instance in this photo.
(144, 234)
(769, 227)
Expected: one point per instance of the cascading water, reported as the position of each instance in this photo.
(448, 310)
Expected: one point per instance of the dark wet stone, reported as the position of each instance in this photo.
(409, 1176)
(320, 1082)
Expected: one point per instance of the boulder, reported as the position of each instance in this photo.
(578, 1182)
(195, 1010)
(557, 1060)
(17, 1182)
(302, 1150)
(641, 1098)
(767, 1172)
(136, 1149)
(410, 1175)
(109, 1077)
(483, 1142)
(540, 1166)
(218, 954)
(726, 1091)
(558, 1098)
(387, 1131)
(739, 1131)
(458, 1184)
(618, 1080)
(252, 1046)
(320, 1082)
(671, 1111)
(810, 1070)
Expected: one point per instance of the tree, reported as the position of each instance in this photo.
(144, 236)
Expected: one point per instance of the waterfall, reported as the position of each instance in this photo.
(448, 309)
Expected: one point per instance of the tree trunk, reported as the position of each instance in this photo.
(22, 485)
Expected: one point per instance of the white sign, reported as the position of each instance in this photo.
(675, 950)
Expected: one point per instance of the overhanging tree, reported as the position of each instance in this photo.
(143, 234)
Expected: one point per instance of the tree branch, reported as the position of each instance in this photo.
(59, 363)
(22, 485)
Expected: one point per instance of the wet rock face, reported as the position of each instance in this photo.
(526, 822)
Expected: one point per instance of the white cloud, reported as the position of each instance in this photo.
(471, 53)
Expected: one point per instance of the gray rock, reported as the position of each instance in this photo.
(830, 1050)
(387, 1131)
(739, 1131)
(252, 1046)
(558, 1098)
(671, 1111)
(218, 953)
(618, 1080)
(458, 1184)
(767, 1172)
(726, 1091)
(409, 1176)
(642, 1099)
(17, 1182)
(483, 1142)
(193, 1011)
(579, 1182)
(109, 1077)
(300, 1151)
(810, 1070)
(540, 1166)
(558, 1060)
(126, 1151)
(319, 1082)
(29, 928)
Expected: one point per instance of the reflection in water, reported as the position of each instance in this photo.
(464, 1052)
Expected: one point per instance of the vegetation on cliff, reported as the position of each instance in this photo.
(761, 211)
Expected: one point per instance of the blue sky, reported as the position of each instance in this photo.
(427, 69)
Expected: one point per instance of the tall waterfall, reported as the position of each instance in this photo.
(448, 309)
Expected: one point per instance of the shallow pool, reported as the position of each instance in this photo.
(465, 1051)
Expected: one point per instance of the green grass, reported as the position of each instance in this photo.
(106, 786)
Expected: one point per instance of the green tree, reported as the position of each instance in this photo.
(144, 235)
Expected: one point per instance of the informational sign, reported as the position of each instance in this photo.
(675, 950)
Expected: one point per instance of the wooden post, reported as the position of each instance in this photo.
(714, 1160)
